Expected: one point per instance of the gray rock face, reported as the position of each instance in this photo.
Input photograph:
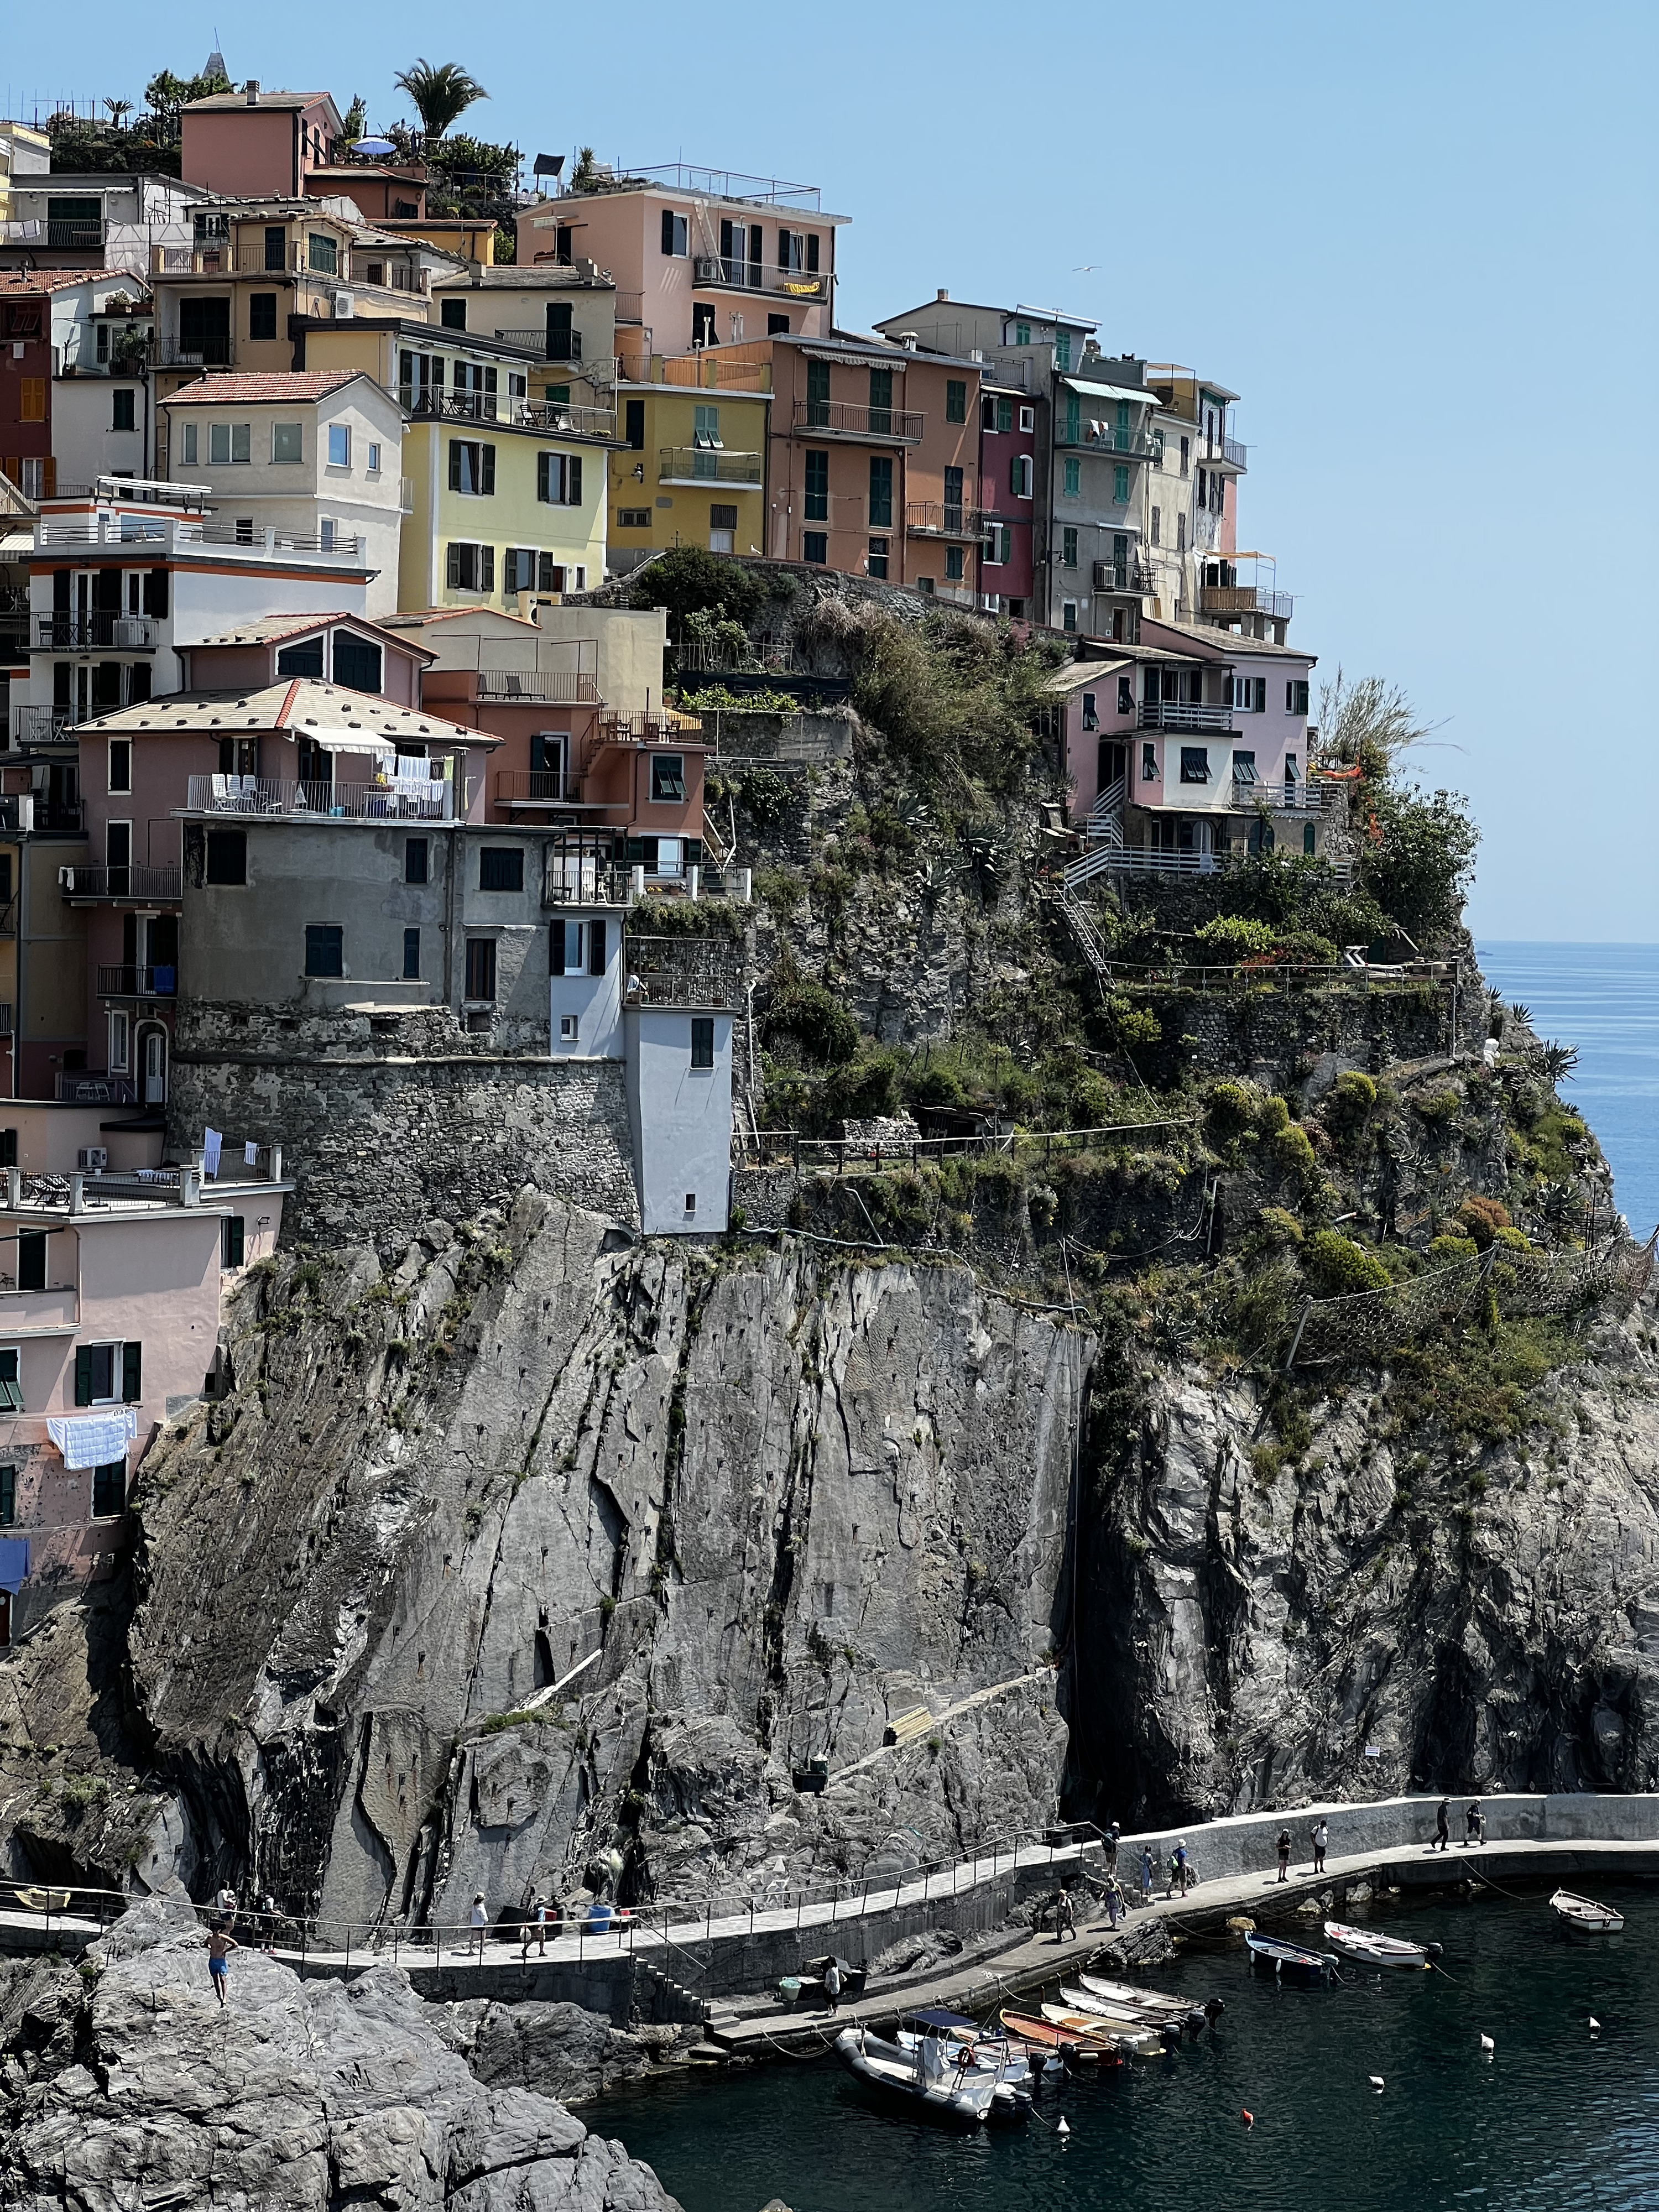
(294, 2094)
(565, 2051)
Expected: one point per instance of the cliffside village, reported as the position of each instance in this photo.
(305, 714)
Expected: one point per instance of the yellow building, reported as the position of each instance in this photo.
(23, 153)
(505, 481)
(690, 468)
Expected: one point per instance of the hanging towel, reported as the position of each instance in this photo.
(93, 1439)
(13, 1562)
(250, 1154)
(212, 1145)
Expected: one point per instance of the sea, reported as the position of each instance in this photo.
(1604, 999)
(1557, 2116)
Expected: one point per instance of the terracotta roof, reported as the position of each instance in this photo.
(270, 629)
(299, 705)
(417, 618)
(60, 280)
(234, 387)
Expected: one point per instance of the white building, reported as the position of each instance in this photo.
(313, 456)
(97, 221)
(679, 1111)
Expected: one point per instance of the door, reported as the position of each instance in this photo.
(562, 342)
(818, 395)
(154, 1060)
(1112, 769)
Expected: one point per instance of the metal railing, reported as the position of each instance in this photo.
(207, 352)
(580, 879)
(736, 272)
(552, 345)
(651, 729)
(255, 538)
(42, 726)
(1123, 576)
(685, 971)
(429, 404)
(1245, 600)
(551, 687)
(1093, 435)
(79, 235)
(1224, 449)
(933, 518)
(87, 1090)
(135, 983)
(82, 632)
(1180, 715)
(1282, 797)
(144, 884)
(839, 418)
(408, 801)
(705, 463)
(539, 787)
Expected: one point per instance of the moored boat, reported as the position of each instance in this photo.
(1153, 2004)
(1372, 1949)
(1585, 1915)
(926, 2079)
(1131, 2036)
(1042, 2035)
(1289, 1961)
(1123, 2020)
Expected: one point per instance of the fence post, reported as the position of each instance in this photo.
(348, 1963)
(1302, 1323)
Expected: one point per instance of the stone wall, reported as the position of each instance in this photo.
(389, 1121)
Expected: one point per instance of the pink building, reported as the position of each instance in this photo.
(1008, 490)
(111, 1286)
(258, 145)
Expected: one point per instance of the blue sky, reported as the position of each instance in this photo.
(1418, 239)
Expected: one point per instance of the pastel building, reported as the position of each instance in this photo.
(257, 143)
(689, 464)
(73, 395)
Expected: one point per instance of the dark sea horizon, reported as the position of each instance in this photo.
(1604, 999)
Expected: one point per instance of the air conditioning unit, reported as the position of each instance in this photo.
(342, 309)
(706, 269)
(91, 1160)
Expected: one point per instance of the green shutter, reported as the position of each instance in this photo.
(7, 1496)
(573, 478)
(132, 1373)
(83, 1375)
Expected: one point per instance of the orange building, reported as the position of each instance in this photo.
(258, 145)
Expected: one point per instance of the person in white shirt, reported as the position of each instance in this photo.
(480, 1921)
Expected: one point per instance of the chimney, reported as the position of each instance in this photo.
(909, 340)
(941, 294)
(252, 91)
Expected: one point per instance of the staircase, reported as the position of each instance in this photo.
(658, 1997)
(1084, 935)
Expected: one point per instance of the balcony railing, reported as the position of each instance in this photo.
(539, 787)
(132, 982)
(731, 271)
(550, 687)
(411, 800)
(1179, 714)
(257, 539)
(94, 1090)
(140, 886)
(1224, 449)
(931, 518)
(42, 726)
(84, 633)
(1122, 576)
(429, 404)
(213, 351)
(651, 729)
(1281, 798)
(222, 258)
(552, 345)
(706, 465)
(1245, 600)
(630, 307)
(75, 234)
(583, 868)
(838, 418)
(1089, 435)
(683, 972)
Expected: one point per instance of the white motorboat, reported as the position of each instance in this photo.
(927, 2079)
(1368, 1947)
(1584, 1914)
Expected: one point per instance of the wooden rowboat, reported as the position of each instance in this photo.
(1584, 1913)
(1289, 1961)
(1043, 2035)
(1133, 2036)
(1372, 1948)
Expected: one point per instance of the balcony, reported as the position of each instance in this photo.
(213, 350)
(429, 404)
(1093, 437)
(838, 418)
(1123, 576)
(44, 726)
(730, 273)
(928, 517)
(131, 983)
(552, 345)
(688, 465)
(539, 787)
(94, 1090)
(30, 1313)
(79, 236)
(254, 539)
(581, 870)
(94, 631)
(129, 886)
(684, 971)
(211, 258)
(1279, 797)
(631, 307)
(411, 800)
(1245, 600)
(1179, 714)
(548, 687)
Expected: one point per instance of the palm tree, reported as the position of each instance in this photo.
(442, 91)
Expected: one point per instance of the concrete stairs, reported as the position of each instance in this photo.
(658, 1999)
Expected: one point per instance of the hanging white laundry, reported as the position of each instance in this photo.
(250, 1154)
(93, 1439)
(212, 1144)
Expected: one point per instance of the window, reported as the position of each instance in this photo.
(1181, 534)
(374, 459)
(559, 479)
(1068, 548)
(356, 662)
(596, 948)
(1090, 713)
(481, 968)
(953, 563)
(1068, 614)
(500, 868)
(156, 593)
(633, 518)
(881, 483)
(1020, 476)
(471, 568)
(777, 326)
(304, 658)
(1194, 764)
(32, 1260)
(1253, 694)
(1243, 768)
(722, 526)
(703, 1056)
(667, 778)
(8, 1486)
(262, 315)
(411, 956)
(1022, 334)
(415, 850)
(287, 442)
(881, 400)
(818, 487)
(322, 255)
(339, 444)
(706, 428)
(1148, 763)
(119, 1044)
(121, 413)
(230, 442)
(818, 395)
(815, 546)
(108, 1374)
(1063, 350)
(325, 949)
(925, 586)
(1073, 481)
(1203, 486)
(1308, 842)
(472, 468)
(955, 399)
(32, 399)
(1296, 696)
(109, 1490)
(1157, 525)
(227, 856)
(673, 234)
(999, 546)
(1126, 695)
(120, 763)
(875, 563)
(1121, 484)
(519, 568)
(453, 314)
(232, 1241)
(187, 446)
(1186, 454)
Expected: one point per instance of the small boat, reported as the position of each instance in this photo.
(1042, 2035)
(1372, 1949)
(1156, 2004)
(1008, 2063)
(926, 2080)
(1122, 2020)
(1131, 2036)
(1585, 1915)
(1288, 1961)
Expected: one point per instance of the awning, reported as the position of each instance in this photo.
(343, 740)
(1136, 394)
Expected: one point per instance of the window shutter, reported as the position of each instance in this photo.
(486, 568)
(573, 479)
(668, 230)
(83, 1375)
(556, 948)
(811, 253)
(455, 464)
(596, 947)
(487, 468)
(543, 476)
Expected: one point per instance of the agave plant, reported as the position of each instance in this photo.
(440, 90)
(1557, 1061)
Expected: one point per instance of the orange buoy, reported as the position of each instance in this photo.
(1248, 2118)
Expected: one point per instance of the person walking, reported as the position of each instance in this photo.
(1146, 1874)
(1475, 1821)
(1110, 1850)
(219, 1944)
(535, 1923)
(480, 1921)
(1284, 1855)
(1113, 1901)
(1443, 1827)
(1183, 1866)
(1322, 1837)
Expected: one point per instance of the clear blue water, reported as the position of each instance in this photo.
(1553, 2120)
(1605, 999)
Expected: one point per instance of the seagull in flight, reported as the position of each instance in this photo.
(1086, 268)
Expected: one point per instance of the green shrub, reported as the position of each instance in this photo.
(1295, 1154)
(1482, 1218)
(1338, 1268)
(688, 582)
(1277, 1227)
(860, 1089)
(765, 796)
(1349, 1102)
(815, 1018)
(938, 1086)
(1273, 1117)
(1235, 937)
(1443, 1250)
(1439, 1105)
(720, 699)
(1512, 1240)
(1133, 1025)
(1233, 1108)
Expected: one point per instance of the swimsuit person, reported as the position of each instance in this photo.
(219, 1944)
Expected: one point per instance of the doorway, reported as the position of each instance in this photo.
(153, 1066)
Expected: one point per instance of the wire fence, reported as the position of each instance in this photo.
(775, 1147)
(1370, 1324)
